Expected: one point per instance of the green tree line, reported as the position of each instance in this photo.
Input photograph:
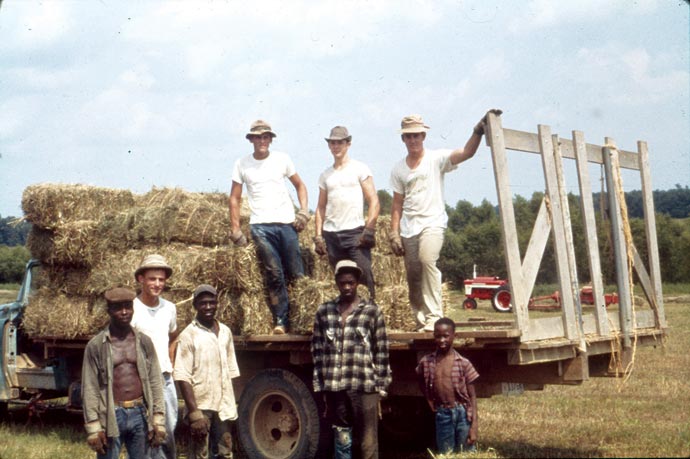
(474, 237)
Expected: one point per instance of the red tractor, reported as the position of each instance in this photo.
(487, 288)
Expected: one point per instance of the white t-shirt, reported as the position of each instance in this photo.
(157, 322)
(345, 204)
(269, 200)
(422, 188)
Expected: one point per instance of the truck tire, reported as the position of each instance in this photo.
(501, 300)
(3, 411)
(278, 416)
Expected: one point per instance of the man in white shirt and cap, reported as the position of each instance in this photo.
(418, 213)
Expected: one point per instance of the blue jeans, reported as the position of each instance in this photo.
(167, 450)
(355, 420)
(452, 430)
(278, 250)
(342, 245)
(134, 431)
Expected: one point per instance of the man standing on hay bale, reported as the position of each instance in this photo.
(351, 368)
(121, 387)
(204, 369)
(157, 318)
(273, 224)
(418, 213)
(341, 231)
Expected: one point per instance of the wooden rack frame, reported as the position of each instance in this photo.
(554, 218)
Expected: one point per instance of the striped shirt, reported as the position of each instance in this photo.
(353, 355)
(462, 374)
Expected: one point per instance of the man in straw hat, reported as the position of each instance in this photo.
(418, 213)
(273, 224)
(351, 365)
(121, 388)
(204, 369)
(341, 231)
(157, 318)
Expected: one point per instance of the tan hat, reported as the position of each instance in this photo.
(260, 127)
(339, 133)
(348, 266)
(153, 261)
(413, 123)
(120, 295)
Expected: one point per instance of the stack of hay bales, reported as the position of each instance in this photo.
(91, 239)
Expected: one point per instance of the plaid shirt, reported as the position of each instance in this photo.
(462, 374)
(353, 355)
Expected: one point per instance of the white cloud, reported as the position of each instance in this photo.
(39, 24)
(548, 13)
(35, 78)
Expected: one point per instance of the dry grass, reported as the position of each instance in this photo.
(646, 417)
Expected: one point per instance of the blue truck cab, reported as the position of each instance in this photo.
(30, 366)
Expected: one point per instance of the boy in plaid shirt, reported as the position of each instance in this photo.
(446, 380)
(350, 352)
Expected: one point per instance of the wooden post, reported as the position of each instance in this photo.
(619, 248)
(650, 231)
(589, 223)
(559, 233)
(508, 226)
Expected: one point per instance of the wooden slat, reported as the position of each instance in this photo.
(590, 227)
(510, 239)
(529, 143)
(536, 247)
(619, 247)
(559, 238)
(650, 231)
(569, 245)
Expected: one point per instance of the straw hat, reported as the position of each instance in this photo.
(339, 133)
(153, 261)
(260, 127)
(413, 123)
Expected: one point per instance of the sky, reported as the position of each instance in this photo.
(136, 94)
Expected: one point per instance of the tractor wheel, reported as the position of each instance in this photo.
(279, 416)
(469, 303)
(502, 299)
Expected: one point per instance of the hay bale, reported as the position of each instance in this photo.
(52, 313)
(51, 205)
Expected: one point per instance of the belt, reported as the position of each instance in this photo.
(447, 404)
(131, 403)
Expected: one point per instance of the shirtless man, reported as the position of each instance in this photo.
(446, 379)
(121, 386)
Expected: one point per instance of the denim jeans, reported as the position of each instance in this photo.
(355, 420)
(452, 430)
(423, 276)
(134, 431)
(217, 444)
(342, 245)
(278, 250)
(167, 450)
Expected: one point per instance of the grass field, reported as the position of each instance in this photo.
(649, 415)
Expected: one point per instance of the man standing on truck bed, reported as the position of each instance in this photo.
(341, 231)
(157, 318)
(418, 213)
(273, 224)
(351, 366)
(122, 394)
(204, 369)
